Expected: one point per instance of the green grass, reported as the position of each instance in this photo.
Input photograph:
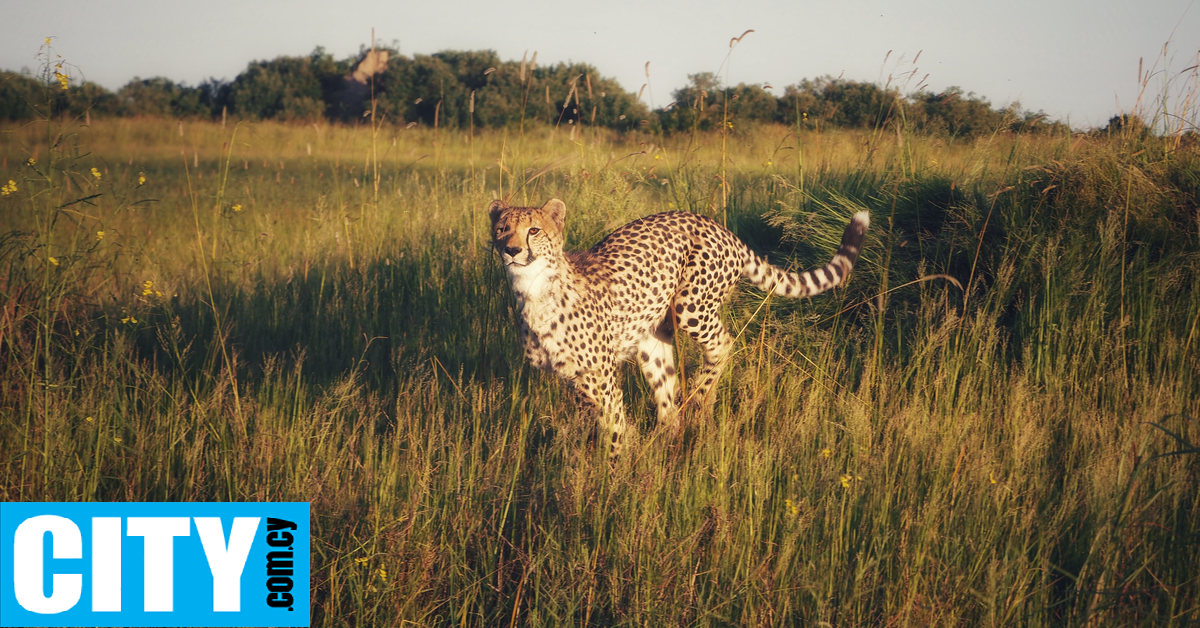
(894, 453)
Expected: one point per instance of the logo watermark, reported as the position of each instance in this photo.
(154, 564)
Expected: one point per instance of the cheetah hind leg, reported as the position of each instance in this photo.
(656, 357)
(716, 344)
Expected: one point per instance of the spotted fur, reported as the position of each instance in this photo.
(582, 314)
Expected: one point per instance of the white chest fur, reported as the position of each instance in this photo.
(534, 286)
(532, 282)
(538, 288)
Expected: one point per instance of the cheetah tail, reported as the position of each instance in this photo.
(810, 282)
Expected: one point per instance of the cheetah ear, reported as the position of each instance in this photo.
(495, 209)
(557, 211)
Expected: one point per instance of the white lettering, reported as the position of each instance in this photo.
(106, 564)
(159, 533)
(227, 563)
(28, 570)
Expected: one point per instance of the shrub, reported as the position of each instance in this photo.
(161, 97)
(286, 88)
(412, 88)
(704, 103)
(18, 95)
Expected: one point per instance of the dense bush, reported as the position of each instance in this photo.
(850, 104)
(702, 105)
(287, 88)
(958, 115)
(93, 98)
(161, 97)
(504, 92)
(23, 97)
(18, 93)
(831, 102)
(1126, 124)
(458, 89)
(953, 113)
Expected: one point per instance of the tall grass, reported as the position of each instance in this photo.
(313, 313)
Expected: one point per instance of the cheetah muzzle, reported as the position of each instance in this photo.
(582, 314)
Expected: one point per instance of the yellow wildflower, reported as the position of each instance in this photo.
(791, 506)
(237, 207)
(147, 288)
(63, 79)
(54, 261)
(846, 479)
(141, 178)
(992, 477)
(90, 420)
(361, 561)
(827, 453)
(99, 235)
(8, 189)
(383, 573)
(47, 41)
(96, 173)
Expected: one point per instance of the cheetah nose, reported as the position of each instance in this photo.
(512, 250)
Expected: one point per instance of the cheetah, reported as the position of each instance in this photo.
(582, 314)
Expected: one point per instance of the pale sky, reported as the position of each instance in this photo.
(1076, 60)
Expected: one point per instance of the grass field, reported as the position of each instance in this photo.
(994, 423)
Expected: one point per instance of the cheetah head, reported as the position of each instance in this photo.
(523, 235)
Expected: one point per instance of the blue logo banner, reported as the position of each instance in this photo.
(154, 564)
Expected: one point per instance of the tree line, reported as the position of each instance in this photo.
(828, 102)
(458, 89)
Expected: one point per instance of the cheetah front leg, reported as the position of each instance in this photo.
(598, 393)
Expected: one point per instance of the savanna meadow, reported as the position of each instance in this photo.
(993, 423)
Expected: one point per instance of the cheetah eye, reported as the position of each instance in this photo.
(534, 231)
